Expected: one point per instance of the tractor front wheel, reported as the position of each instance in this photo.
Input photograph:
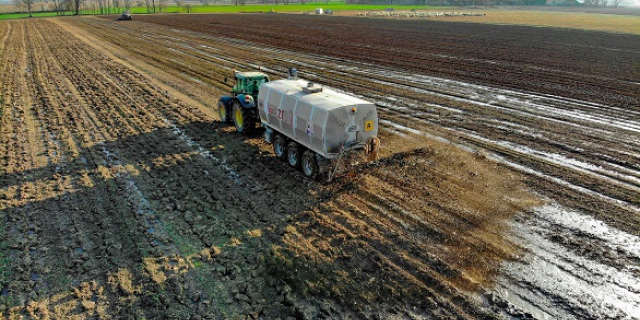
(241, 117)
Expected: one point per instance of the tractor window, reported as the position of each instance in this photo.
(253, 85)
(240, 85)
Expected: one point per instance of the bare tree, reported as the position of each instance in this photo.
(101, 5)
(162, 4)
(57, 6)
(76, 6)
(28, 4)
(151, 5)
(178, 2)
(61, 6)
(205, 2)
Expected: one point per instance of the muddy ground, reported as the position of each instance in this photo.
(508, 184)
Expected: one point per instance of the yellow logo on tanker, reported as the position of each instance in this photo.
(368, 125)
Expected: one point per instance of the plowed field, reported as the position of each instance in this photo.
(508, 184)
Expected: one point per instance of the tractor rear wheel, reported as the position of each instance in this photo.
(310, 164)
(293, 154)
(241, 117)
(279, 146)
(223, 112)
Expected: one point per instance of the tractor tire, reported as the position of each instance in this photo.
(280, 147)
(223, 112)
(241, 117)
(293, 154)
(309, 164)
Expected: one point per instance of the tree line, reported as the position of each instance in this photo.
(62, 7)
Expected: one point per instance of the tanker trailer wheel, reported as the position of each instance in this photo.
(222, 112)
(241, 117)
(293, 154)
(310, 164)
(280, 147)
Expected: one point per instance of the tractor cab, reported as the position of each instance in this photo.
(241, 105)
(248, 83)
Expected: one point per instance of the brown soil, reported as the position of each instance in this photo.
(123, 196)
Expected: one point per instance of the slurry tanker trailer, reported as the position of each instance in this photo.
(313, 128)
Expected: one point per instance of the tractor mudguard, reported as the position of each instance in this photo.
(244, 103)
(225, 100)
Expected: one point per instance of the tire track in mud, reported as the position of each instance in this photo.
(70, 220)
(18, 105)
(588, 268)
(124, 182)
(76, 228)
(484, 53)
(23, 154)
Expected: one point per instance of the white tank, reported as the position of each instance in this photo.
(321, 119)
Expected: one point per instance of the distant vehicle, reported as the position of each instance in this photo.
(329, 12)
(125, 16)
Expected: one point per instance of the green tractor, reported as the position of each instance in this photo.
(241, 105)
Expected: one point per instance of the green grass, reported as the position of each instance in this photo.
(5, 16)
(183, 243)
